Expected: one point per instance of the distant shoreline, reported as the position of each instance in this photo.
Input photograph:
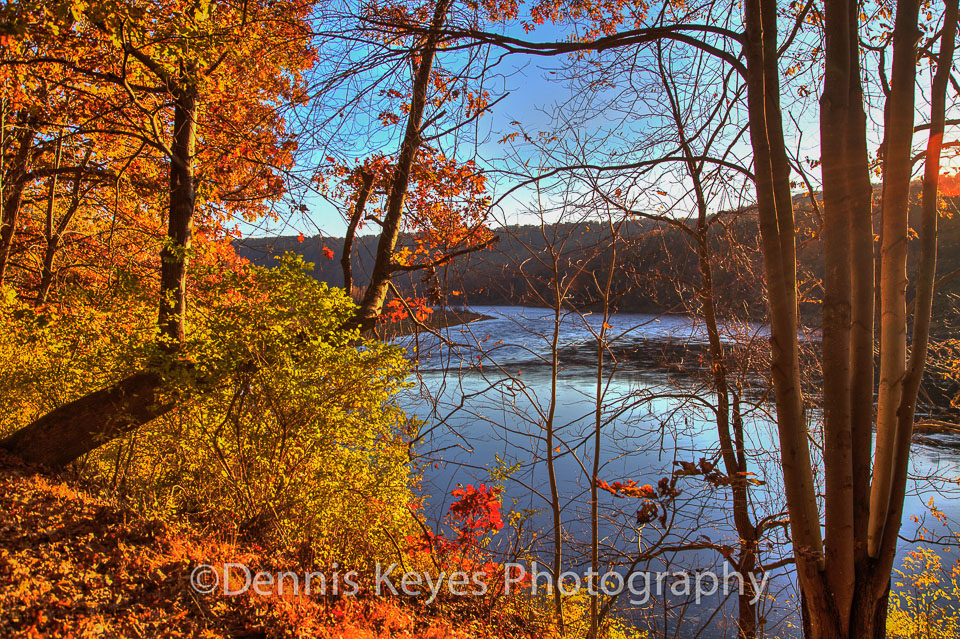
(439, 319)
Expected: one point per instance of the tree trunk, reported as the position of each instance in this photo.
(84, 424)
(775, 216)
(923, 305)
(46, 272)
(175, 253)
(376, 293)
(835, 344)
(9, 215)
(55, 233)
(897, 166)
(74, 429)
(366, 183)
(860, 193)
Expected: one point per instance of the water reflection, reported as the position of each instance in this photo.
(487, 392)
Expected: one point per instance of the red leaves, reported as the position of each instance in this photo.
(327, 253)
(474, 515)
(477, 508)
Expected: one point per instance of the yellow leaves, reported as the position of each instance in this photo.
(403, 256)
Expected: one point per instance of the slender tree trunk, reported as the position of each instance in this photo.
(926, 272)
(860, 193)
(14, 186)
(46, 272)
(376, 293)
(175, 253)
(839, 168)
(897, 166)
(913, 372)
(732, 451)
(775, 216)
(366, 183)
(54, 233)
(595, 617)
(862, 610)
(550, 432)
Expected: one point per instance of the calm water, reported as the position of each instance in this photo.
(485, 396)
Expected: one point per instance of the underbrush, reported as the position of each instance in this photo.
(925, 598)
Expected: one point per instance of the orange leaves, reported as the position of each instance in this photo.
(396, 310)
(950, 185)
(628, 489)
(386, 118)
(445, 206)
(604, 16)
(327, 252)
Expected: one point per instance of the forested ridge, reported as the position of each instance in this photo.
(657, 260)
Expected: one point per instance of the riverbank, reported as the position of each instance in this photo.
(435, 321)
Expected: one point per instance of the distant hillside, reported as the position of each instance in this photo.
(656, 268)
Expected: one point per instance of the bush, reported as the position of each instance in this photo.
(286, 432)
(924, 599)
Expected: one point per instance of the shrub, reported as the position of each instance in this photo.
(924, 598)
(285, 433)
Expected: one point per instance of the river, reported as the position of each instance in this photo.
(486, 392)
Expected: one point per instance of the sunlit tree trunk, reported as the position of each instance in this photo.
(376, 292)
(775, 217)
(175, 253)
(913, 371)
(897, 165)
(346, 265)
(846, 587)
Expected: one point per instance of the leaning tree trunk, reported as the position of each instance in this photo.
(383, 268)
(74, 429)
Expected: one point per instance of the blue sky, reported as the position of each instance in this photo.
(535, 93)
